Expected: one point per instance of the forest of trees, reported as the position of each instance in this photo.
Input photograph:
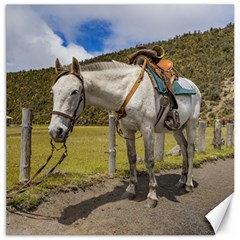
(207, 58)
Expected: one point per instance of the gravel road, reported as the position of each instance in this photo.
(100, 210)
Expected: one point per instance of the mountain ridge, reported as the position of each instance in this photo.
(207, 58)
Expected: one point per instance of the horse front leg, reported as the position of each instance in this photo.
(132, 158)
(148, 138)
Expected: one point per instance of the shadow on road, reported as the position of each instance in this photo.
(166, 189)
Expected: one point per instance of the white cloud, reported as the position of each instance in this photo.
(140, 23)
(31, 44)
(147, 23)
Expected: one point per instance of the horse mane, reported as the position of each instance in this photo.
(100, 66)
(96, 66)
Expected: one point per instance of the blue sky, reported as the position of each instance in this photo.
(93, 33)
(62, 36)
(38, 34)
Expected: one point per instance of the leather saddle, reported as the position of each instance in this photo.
(165, 70)
(163, 67)
(167, 67)
(155, 54)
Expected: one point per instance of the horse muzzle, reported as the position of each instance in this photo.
(58, 134)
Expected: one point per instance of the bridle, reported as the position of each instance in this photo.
(82, 98)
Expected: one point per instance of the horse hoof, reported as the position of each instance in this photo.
(128, 195)
(180, 185)
(189, 188)
(151, 203)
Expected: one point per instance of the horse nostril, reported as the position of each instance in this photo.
(60, 131)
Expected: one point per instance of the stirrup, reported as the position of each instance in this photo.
(172, 121)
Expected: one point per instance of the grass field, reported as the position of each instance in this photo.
(87, 160)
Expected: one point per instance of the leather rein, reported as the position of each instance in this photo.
(15, 191)
(82, 98)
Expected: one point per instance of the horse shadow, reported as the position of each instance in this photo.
(166, 189)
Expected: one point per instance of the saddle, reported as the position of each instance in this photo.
(165, 70)
(163, 67)
(167, 67)
(155, 54)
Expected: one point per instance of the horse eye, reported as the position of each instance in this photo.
(74, 92)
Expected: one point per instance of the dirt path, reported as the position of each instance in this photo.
(100, 209)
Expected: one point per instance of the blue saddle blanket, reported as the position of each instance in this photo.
(180, 87)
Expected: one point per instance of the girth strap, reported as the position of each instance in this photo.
(122, 112)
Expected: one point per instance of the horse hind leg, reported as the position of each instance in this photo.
(148, 139)
(132, 157)
(182, 142)
(191, 135)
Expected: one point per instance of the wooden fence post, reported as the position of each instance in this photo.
(217, 139)
(112, 144)
(229, 137)
(201, 136)
(24, 174)
(159, 146)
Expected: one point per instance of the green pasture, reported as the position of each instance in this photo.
(87, 160)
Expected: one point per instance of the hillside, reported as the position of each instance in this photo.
(206, 58)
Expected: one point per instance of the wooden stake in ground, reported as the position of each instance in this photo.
(159, 146)
(201, 136)
(229, 138)
(217, 134)
(24, 174)
(112, 144)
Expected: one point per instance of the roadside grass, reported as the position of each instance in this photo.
(87, 160)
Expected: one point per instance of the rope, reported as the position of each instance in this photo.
(30, 184)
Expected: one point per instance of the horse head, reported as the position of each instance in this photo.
(68, 100)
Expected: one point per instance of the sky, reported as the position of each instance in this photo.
(38, 34)
(34, 36)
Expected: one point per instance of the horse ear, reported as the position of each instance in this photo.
(58, 66)
(75, 67)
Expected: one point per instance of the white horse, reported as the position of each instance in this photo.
(108, 88)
